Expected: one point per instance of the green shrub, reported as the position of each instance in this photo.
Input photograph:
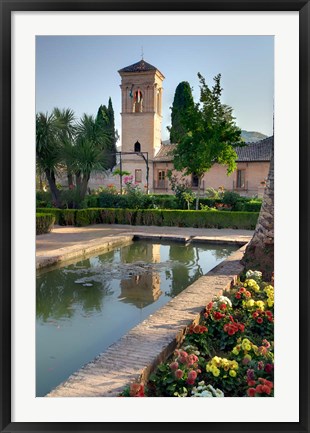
(210, 219)
(44, 222)
(125, 216)
(230, 198)
(107, 216)
(70, 199)
(253, 206)
(157, 217)
(52, 211)
(152, 217)
(43, 199)
(91, 201)
(67, 217)
(85, 217)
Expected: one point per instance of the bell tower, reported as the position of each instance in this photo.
(141, 88)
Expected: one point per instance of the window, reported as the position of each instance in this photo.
(137, 147)
(161, 178)
(241, 179)
(138, 175)
(137, 102)
(195, 180)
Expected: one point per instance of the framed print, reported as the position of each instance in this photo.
(39, 40)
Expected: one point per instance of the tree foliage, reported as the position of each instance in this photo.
(210, 134)
(79, 148)
(105, 119)
(183, 103)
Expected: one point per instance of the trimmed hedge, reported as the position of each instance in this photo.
(157, 217)
(44, 223)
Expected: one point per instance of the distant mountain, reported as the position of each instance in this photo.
(252, 136)
(248, 136)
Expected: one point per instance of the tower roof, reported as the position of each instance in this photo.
(140, 66)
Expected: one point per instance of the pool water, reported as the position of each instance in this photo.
(83, 308)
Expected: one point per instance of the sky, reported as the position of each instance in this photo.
(80, 72)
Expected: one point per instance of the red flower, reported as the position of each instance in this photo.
(218, 315)
(251, 382)
(241, 327)
(136, 390)
(223, 306)
(259, 320)
(248, 294)
(268, 368)
(266, 389)
(259, 389)
(242, 290)
(209, 306)
(237, 295)
(251, 392)
(254, 315)
(262, 350)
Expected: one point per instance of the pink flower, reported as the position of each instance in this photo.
(192, 375)
(179, 374)
(174, 366)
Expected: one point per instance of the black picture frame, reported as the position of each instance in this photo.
(7, 7)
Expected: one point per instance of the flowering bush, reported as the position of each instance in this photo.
(175, 379)
(228, 353)
(203, 390)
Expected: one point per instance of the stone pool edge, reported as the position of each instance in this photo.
(77, 251)
(134, 356)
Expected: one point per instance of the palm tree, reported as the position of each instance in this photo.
(259, 254)
(47, 150)
(66, 135)
(88, 152)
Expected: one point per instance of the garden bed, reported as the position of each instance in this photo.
(229, 353)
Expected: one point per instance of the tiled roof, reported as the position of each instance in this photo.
(164, 153)
(259, 151)
(141, 66)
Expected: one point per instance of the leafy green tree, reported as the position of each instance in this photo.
(48, 150)
(105, 119)
(211, 135)
(182, 103)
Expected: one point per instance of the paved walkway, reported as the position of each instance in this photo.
(65, 243)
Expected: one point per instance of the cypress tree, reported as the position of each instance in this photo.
(105, 118)
(182, 104)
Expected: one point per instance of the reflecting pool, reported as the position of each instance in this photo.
(83, 308)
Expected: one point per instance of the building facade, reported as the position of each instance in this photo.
(148, 159)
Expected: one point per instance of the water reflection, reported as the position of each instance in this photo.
(84, 307)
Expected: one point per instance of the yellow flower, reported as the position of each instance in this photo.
(232, 373)
(260, 305)
(234, 365)
(247, 347)
(216, 372)
(250, 303)
(270, 302)
(235, 351)
(249, 357)
(245, 343)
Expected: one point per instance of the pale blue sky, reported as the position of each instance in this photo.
(80, 72)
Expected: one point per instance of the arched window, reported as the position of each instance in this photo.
(137, 146)
(138, 102)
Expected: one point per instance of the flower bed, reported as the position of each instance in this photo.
(230, 353)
